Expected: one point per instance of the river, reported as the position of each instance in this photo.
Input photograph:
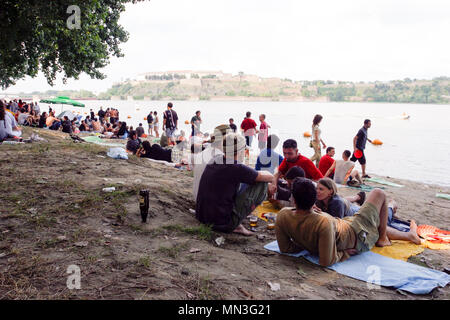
(416, 149)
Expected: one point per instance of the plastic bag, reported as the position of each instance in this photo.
(117, 153)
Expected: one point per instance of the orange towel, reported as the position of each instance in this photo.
(433, 234)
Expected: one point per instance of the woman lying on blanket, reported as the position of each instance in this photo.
(333, 239)
(155, 152)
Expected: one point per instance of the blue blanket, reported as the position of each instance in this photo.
(377, 269)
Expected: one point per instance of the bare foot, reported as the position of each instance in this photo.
(413, 236)
(241, 229)
(393, 204)
(383, 242)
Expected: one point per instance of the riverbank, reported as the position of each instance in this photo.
(54, 214)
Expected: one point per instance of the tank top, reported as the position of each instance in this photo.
(342, 168)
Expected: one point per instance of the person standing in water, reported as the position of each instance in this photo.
(156, 124)
(263, 132)
(150, 123)
(316, 139)
(170, 123)
(195, 123)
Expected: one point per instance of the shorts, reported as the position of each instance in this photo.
(170, 132)
(361, 160)
(248, 140)
(365, 223)
(150, 125)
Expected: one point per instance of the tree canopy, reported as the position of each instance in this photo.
(43, 35)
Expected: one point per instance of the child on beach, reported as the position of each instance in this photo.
(263, 132)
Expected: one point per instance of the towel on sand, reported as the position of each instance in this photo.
(382, 181)
(377, 269)
(443, 196)
(103, 142)
(400, 250)
(433, 234)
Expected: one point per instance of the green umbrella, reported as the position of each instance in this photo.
(63, 100)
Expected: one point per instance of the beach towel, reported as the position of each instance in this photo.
(377, 269)
(363, 187)
(382, 181)
(433, 234)
(102, 142)
(443, 196)
(400, 250)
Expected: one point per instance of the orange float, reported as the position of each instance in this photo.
(377, 142)
(307, 134)
(145, 118)
(144, 136)
(186, 122)
(129, 117)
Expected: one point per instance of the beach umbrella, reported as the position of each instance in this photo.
(63, 100)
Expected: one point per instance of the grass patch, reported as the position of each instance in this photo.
(145, 261)
(174, 251)
(203, 232)
(86, 147)
(205, 291)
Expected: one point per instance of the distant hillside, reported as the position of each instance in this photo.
(250, 87)
(216, 85)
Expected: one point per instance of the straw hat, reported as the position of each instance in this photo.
(233, 143)
(219, 132)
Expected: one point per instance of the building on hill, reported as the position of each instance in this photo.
(182, 74)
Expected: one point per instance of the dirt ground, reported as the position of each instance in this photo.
(54, 214)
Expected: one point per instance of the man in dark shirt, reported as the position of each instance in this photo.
(195, 123)
(218, 200)
(140, 130)
(101, 114)
(232, 125)
(359, 144)
(66, 125)
(170, 123)
(133, 143)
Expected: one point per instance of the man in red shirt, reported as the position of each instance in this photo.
(291, 159)
(327, 161)
(249, 128)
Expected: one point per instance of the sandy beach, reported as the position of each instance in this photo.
(55, 214)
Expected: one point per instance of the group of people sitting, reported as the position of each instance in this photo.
(313, 216)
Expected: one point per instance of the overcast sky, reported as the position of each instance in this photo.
(356, 40)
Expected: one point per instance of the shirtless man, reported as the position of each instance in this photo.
(343, 169)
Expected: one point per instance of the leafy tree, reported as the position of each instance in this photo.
(43, 35)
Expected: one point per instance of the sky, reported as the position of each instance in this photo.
(347, 40)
